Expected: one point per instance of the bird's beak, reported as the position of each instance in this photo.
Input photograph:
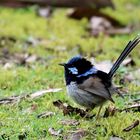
(62, 64)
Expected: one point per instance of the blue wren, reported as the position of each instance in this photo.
(88, 86)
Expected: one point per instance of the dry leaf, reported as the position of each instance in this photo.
(8, 60)
(78, 135)
(53, 132)
(8, 66)
(67, 109)
(31, 109)
(11, 99)
(133, 76)
(100, 24)
(128, 61)
(69, 122)
(110, 111)
(136, 74)
(127, 78)
(46, 115)
(45, 11)
(31, 59)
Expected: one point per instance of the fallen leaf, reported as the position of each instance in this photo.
(128, 61)
(77, 135)
(11, 99)
(32, 41)
(127, 78)
(124, 90)
(10, 59)
(45, 11)
(31, 109)
(54, 132)
(67, 109)
(8, 66)
(70, 122)
(115, 138)
(134, 107)
(100, 24)
(133, 76)
(132, 126)
(17, 58)
(31, 59)
(46, 115)
(110, 111)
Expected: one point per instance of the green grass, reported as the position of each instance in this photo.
(60, 32)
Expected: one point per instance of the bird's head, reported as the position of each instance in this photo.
(77, 67)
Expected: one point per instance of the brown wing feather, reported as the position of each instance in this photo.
(94, 86)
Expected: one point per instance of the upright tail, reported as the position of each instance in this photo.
(129, 47)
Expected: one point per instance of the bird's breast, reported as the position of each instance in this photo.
(71, 89)
(79, 96)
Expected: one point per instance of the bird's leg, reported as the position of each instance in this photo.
(97, 117)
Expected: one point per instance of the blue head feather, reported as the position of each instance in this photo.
(74, 59)
(91, 71)
(78, 69)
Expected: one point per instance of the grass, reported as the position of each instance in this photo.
(60, 32)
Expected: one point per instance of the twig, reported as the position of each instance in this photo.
(43, 92)
(133, 125)
(136, 100)
(132, 106)
(14, 99)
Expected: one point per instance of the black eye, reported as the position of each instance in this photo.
(70, 72)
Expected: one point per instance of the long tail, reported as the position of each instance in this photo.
(129, 47)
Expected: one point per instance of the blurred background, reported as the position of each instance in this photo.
(36, 35)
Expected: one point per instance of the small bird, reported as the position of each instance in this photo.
(90, 87)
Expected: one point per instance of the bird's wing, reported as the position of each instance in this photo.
(94, 85)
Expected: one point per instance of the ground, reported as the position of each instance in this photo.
(60, 40)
